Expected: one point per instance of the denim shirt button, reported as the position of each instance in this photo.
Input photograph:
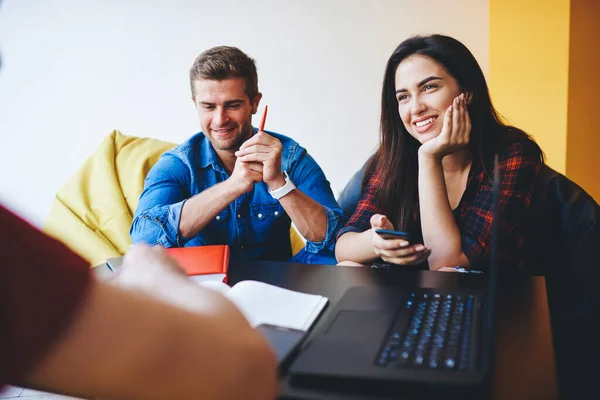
(218, 217)
(239, 216)
(276, 212)
(259, 215)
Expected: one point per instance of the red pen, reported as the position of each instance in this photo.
(263, 120)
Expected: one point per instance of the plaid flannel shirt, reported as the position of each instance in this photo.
(519, 166)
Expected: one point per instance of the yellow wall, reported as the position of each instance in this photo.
(529, 70)
(583, 140)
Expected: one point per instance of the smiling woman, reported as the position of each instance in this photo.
(422, 100)
(431, 173)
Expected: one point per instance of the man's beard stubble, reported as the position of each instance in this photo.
(236, 144)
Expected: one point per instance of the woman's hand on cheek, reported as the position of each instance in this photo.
(455, 133)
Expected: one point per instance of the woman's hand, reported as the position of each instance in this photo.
(395, 251)
(455, 133)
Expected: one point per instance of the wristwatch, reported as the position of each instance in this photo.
(285, 189)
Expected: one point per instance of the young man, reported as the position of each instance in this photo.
(232, 184)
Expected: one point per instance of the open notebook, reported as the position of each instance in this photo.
(262, 303)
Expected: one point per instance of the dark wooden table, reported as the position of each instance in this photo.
(524, 365)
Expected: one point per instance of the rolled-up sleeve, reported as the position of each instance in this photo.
(157, 217)
(310, 180)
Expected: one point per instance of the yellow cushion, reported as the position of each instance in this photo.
(298, 242)
(93, 211)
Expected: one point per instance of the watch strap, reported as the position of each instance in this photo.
(285, 189)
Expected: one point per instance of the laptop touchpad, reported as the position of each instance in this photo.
(358, 325)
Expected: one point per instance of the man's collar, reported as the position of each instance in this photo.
(209, 157)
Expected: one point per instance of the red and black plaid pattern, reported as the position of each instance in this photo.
(365, 209)
(519, 166)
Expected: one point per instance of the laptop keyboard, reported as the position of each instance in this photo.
(431, 331)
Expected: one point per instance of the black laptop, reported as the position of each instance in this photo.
(437, 335)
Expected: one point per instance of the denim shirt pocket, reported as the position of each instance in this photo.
(222, 217)
(218, 229)
(220, 223)
(267, 220)
(268, 211)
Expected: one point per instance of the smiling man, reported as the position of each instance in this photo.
(233, 184)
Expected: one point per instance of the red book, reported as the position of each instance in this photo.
(208, 261)
(201, 263)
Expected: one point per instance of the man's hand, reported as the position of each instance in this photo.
(145, 266)
(395, 251)
(163, 350)
(245, 175)
(265, 149)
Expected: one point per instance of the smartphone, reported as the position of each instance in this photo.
(390, 234)
(284, 341)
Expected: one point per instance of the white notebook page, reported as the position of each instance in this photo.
(262, 303)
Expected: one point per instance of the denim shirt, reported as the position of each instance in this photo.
(254, 225)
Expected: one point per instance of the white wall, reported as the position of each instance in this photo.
(74, 70)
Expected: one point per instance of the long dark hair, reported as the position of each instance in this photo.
(396, 158)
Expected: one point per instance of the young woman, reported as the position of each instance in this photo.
(431, 175)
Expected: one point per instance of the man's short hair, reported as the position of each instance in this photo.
(225, 62)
